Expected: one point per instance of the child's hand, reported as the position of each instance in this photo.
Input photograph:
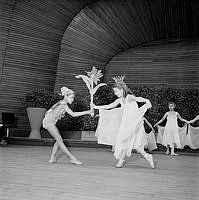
(155, 125)
(95, 107)
(148, 103)
(91, 112)
(92, 105)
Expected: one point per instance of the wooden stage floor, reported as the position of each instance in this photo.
(25, 174)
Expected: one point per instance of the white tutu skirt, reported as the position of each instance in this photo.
(171, 134)
(123, 128)
(131, 134)
(108, 126)
(182, 136)
(192, 138)
(151, 141)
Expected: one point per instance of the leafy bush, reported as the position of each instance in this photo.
(75, 123)
(39, 97)
(104, 95)
(186, 100)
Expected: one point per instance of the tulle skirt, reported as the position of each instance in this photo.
(151, 141)
(192, 138)
(123, 128)
(171, 134)
(108, 126)
(131, 134)
(182, 136)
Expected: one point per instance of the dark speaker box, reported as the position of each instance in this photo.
(8, 118)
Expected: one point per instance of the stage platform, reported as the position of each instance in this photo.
(78, 143)
(25, 174)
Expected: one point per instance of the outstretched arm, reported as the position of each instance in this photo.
(77, 114)
(183, 120)
(105, 107)
(149, 124)
(193, 120)
(164, 117)
(138, 99)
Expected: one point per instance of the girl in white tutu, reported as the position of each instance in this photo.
(171, 136)
(53, 115)
(126, 122)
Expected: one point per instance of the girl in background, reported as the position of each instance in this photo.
(55, 113)
(171, 138)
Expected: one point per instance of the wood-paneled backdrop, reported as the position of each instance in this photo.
(104, 29)
(32, 33)
(172, 63)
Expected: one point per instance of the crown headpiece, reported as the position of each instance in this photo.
(119, 80)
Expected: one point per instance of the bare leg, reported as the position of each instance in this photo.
(147, 156)
(59, 142)
(54, 151)
(113, 148)
(167, 151)
(121, 161)
(172, 151)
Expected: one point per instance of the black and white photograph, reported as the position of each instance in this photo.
(99, 99)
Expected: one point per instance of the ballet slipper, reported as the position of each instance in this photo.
(174, 154)
(149, 158)
(113, 149)
(120, 164)
(52, 160)
(167, 152)
(75, 161)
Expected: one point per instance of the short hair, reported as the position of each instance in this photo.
(171, 103)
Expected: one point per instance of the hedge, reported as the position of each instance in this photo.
(186, 100)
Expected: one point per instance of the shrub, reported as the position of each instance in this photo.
(39, 97)
(186, 100)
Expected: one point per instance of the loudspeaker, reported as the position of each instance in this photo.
(8, 118)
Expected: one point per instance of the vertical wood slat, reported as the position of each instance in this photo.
(6, 11)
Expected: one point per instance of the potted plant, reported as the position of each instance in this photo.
(37, 102)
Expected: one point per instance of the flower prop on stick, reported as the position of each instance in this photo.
(92, 79)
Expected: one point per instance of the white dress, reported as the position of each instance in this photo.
(182, 135)
(108, 126)
(123, 127)
(192, 138)
(151, 141)
(171, 132)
